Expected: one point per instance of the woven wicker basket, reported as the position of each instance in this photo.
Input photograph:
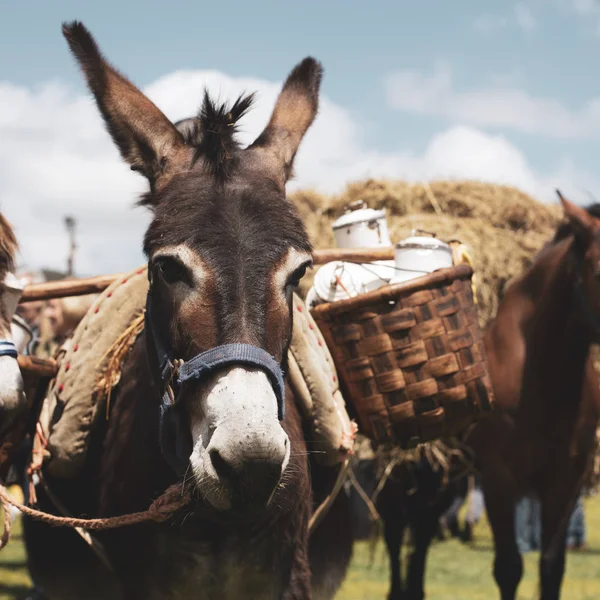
(410, 357)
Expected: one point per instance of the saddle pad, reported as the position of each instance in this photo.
(75, 400)
(314, 379)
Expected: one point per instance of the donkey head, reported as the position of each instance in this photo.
(226, 250)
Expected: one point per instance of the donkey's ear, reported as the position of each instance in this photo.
(293, 114)
(148, 141)
(582, 222)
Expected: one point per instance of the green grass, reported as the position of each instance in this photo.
(455, 571)
(14, 579)
(460, 572)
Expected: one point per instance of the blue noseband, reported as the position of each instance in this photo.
(217, 358)
(203, 365)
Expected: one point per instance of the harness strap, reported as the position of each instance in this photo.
(8, 348)
(165, 366)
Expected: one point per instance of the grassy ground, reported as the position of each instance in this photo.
(14, 579)
(456, 571)
(459, 572)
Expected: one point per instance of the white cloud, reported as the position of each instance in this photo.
(585, 7)
(524, 17)
(521, 16)
(56, 159)
(587, 10)
(497, 106)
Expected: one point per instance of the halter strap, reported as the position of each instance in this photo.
(217, 358)
(8, 348)
(171, 430)
(165, 365)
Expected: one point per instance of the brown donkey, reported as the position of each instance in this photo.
(542, 438)
(225, 250)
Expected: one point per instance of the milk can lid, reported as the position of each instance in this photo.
(358, 212)
(423, 242)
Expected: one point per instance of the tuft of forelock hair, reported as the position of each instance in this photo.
(213, 133)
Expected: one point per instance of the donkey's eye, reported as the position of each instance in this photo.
(172, 270)
(294, 279)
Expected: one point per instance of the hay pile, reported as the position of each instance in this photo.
(504, 227)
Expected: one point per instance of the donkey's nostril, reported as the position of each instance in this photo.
(220, 465)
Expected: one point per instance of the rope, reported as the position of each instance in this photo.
(365, 497)
(386, 475)
(160, 510)
(322, 509)
(85, 535)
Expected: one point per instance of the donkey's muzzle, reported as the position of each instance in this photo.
(251, 483)
(250, 471)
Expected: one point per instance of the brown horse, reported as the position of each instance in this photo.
(542, 438)
(226, 250)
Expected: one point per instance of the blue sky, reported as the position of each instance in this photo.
(359, 42)
(496, 90)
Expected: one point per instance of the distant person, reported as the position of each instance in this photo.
(528, 525)
(576, 535)
(474, 511)
(60, 317)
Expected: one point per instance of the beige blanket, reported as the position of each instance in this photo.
(77, 398)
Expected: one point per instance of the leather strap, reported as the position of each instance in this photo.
(217, 358)
(174, 439)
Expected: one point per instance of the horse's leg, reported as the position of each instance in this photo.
(394, 532)
(423, 519)
(552, 561)
(392, 509)
(500, 503)
(557, 505)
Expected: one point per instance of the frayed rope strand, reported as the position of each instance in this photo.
(160, 510)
